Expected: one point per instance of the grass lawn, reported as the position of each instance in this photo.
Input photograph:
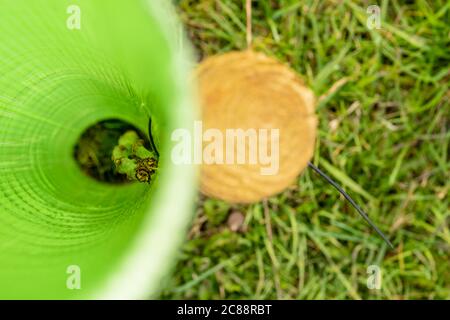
(383, 106)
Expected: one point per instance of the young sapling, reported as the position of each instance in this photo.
(133, 159)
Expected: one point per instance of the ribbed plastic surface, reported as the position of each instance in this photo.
(54, 83)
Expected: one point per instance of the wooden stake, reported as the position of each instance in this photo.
(248, 10)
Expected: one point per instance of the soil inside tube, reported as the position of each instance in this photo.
(93, 150)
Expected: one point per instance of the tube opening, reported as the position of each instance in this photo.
(94, 150)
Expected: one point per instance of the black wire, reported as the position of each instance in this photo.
(353, 203)
(150, 134)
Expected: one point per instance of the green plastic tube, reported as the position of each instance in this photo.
(64, 66)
